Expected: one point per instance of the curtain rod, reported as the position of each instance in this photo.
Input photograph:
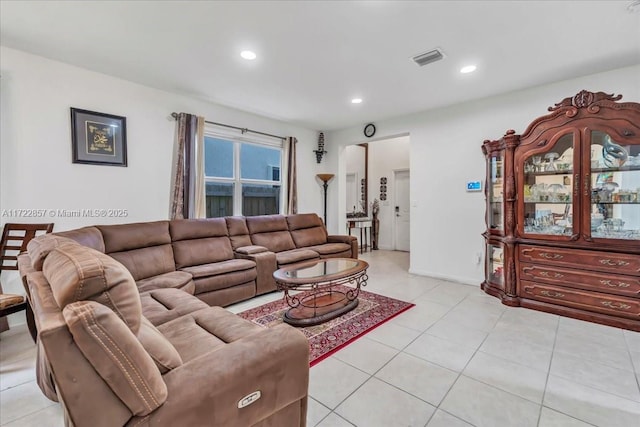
(243, 130)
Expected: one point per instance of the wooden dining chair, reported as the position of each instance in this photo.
(15, 238)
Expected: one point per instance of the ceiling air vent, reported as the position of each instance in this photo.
(428, 57)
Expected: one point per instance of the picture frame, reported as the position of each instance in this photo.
(98, 138)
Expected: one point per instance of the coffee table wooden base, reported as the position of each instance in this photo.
(326, 307)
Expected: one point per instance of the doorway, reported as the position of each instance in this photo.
(402, 210)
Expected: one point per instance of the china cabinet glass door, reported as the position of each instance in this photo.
(549, 189)
(495, 264)
(615, 188)
(495, 192)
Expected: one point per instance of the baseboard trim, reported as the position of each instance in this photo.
(459, 279)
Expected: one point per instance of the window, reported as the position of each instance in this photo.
(242, 176)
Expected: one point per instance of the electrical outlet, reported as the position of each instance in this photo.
(477, 258)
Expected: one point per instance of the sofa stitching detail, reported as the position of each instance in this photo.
(84, 314)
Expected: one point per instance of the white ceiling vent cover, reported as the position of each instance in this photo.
(428, 57)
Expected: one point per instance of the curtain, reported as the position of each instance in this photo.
(291, 176)
(187, 188)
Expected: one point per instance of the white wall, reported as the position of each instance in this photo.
(446, 221)
(385, 157)
(35, 144)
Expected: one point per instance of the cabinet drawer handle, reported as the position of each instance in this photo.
(551, 294)
(617, 305)
(551, 256)
(618, 263)
(548, 274)
(615, 285)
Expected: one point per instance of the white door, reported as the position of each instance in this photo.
(352, 193)
(401, 210)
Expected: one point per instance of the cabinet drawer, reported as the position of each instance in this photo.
(603, 282)
(589, 260)
(585, 300)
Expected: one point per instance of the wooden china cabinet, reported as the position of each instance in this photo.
(563, 212)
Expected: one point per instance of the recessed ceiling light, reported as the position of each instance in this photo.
(247, 54)
(356, 101)
(468, 69)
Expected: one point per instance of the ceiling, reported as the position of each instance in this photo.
(315, 56)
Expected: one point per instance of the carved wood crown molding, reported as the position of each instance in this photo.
(584, 99)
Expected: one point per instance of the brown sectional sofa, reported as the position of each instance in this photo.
(220, 260)
(128, 342)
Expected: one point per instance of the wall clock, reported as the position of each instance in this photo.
(369, 130)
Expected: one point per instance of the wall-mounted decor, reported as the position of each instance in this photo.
(320, 151)
(98, 138)
(383, 188)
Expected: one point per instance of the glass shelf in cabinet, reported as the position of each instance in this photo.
(616, 169)
(546, 173)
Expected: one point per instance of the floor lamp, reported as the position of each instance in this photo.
(325, 177)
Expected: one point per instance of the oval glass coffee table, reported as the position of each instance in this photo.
(322, 301)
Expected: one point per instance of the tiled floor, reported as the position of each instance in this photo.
(459, 358)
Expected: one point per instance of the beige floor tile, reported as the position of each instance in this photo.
(331, 381)
(506, 375)
(594, 332)
(446, 353)
(485, 406)
(590, 405)
(508, 346)
(17, 372)
(551, 418)
(366, 355)
(393, 335)
(418, 377)
(377, 404)
(457, 332)
(635, 359)
(334, 420)
(633, 340)
(443, 419)
(51, 416)
(477, 318)
(596, 375)
(615, 357)
(420, 317)
(529, 332)
(20, 401)
(316, 411)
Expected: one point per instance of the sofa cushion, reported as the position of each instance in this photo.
(174, 279)
(307, 230)
(159, 348)
(270, 231)
(116, 355)
(124, 237)
(206, 330)
(202, 251)
(77, 273)
(332, 248)
(238, 231)
(40, 246)
(295, 255)
(217, 268)
(147, 262)
(161, 305)
(187, 229)
(223, 281)
(86, 236)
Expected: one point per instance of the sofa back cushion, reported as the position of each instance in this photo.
(86, 236)
(270, 231)
(117, 355)
(238, 232)
(307, 230)
(77, 273)
(200, 241)
(144, 248)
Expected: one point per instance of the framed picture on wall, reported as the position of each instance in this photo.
(98, 138)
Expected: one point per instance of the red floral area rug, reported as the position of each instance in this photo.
(327, 338)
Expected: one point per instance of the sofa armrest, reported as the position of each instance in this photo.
(265, 266)
(349, 240)
(250, 250)
(207, 390)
